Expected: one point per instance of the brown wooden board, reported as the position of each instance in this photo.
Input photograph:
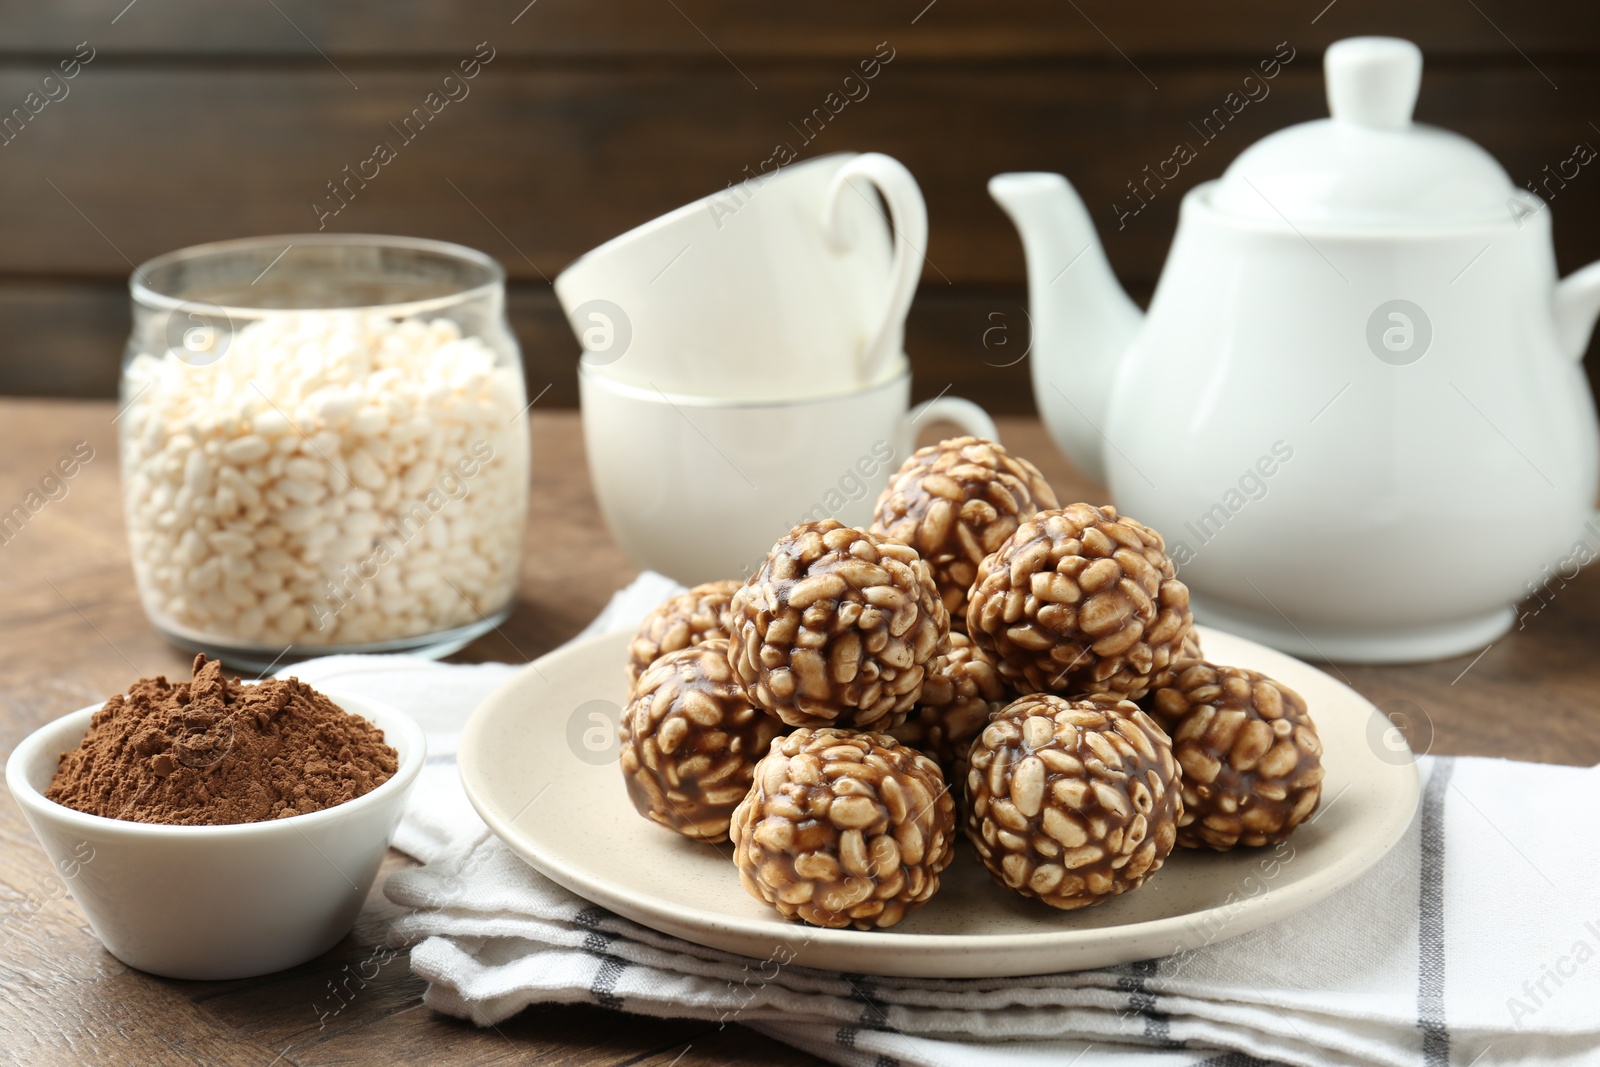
(537, 166)
(710, 29)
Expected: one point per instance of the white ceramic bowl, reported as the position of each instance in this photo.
(217, 902)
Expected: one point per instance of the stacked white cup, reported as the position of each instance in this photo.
(744, 365)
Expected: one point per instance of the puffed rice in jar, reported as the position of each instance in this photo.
(301, 479)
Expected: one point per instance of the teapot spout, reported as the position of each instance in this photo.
(1082, 319)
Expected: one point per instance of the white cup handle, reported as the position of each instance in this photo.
(964, 413)
(908, 216)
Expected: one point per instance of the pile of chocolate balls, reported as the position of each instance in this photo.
(980, 653)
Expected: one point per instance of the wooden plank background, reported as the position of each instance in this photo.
(198, 120)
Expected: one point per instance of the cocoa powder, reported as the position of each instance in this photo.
(215, 751)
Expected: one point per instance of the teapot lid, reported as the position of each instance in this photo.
(1370, 164)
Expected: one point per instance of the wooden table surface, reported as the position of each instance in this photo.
(72, 633)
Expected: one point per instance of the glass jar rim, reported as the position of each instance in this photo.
(147, 295)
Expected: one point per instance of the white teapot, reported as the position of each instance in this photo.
(1356, 408)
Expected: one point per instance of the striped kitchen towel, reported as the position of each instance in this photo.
(1476, 942)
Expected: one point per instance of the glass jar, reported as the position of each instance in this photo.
(324, 446)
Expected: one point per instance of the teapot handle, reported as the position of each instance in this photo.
(908, 218)
(1577, 305)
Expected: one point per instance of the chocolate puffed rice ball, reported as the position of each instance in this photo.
(1187, 655)
(1072, 802)
(960, 693)
(683, 621)
(690, 741)
(1080, 600)
(955, 502)
(1251, 757)
(844, 829)
(837, 628)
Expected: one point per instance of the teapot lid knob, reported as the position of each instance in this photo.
(1369, 167)
(1373, 81)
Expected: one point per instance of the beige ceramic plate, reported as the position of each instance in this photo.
(540, 768)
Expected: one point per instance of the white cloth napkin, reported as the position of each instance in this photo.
(1475, 943)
